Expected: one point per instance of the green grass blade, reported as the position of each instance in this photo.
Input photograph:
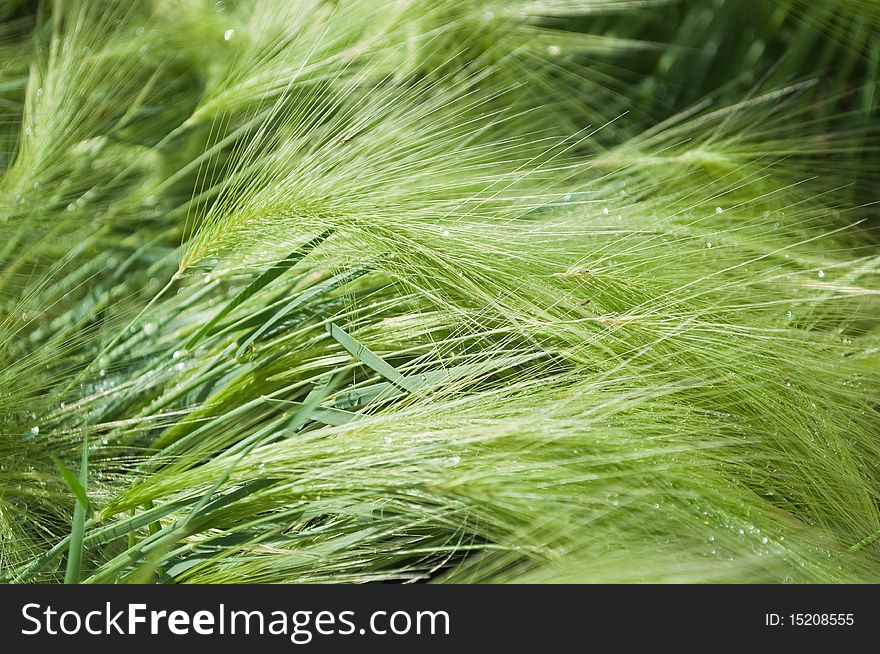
(306, 296)
(74, 484)
(259, 283)
(75, 551)
(369, 358)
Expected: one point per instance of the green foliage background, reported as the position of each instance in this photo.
(449, 291)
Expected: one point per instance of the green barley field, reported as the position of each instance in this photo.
(439, 291)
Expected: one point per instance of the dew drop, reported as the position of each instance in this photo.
(454, 460)
(149, 328)
(388, 440)
(40, 92)
(554, 50)
(228, 34)
(719, 210)
(708, 244)
(821, 274)
(605, 211)
(35, 430)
